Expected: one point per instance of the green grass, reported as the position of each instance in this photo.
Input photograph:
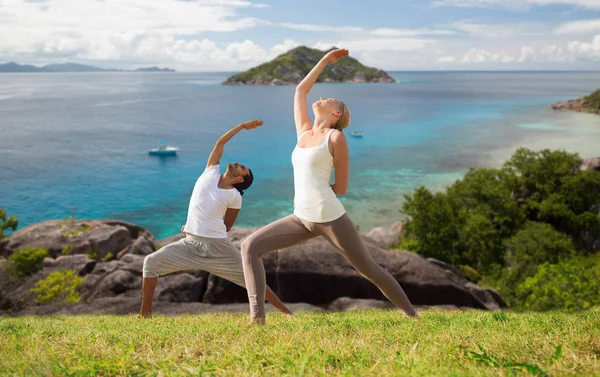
(362, 343)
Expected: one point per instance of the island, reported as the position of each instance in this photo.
(291, 67)
(13, 67)
(588, 104)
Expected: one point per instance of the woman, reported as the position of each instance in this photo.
(317, 211)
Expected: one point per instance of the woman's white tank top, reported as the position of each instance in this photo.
(314, 199)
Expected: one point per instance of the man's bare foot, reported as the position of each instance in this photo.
(144, 315)
(288, 315)
(257, 321)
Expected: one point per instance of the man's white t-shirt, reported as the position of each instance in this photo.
(208, 205)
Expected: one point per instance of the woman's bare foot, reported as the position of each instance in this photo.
(414, 317)
(257, 321)
(288, 315)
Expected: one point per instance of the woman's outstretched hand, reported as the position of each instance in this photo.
(334, 56)
(251, 124)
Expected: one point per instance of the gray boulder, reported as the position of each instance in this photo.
(384, 236)
(181, 287)
(590, 164)
(70, 237)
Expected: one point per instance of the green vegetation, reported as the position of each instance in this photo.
(25, 262)
(593, 100)
(361, 343)
(92, 255)
(58, 286)
(299, 61)
(108, 257)
(515, 228)
(66, 250)
(7, 223)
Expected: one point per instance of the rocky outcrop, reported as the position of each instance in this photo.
(290, 68)
(581, 105)
(71, 237)
(384, 236)
(590, 164)
(313, 272)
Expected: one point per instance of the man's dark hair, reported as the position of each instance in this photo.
(248, 179)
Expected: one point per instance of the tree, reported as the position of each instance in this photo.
(6, 223)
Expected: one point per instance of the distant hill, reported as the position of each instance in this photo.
(14, 67)
(294, 65)
(154, 69)
(71, 67)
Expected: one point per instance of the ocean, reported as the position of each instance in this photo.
(76, 144)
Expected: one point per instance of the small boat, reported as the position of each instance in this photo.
(357, 134)
(163, 150)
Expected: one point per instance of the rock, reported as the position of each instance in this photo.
(579, 105)
(316, 272)
(590, 164)
(108, 279)
(141, 246)
(76, 237)
(169, 240)
(221, 291)
(115, 283)
(17, 295)
(359, 77)
(385, 237)
(313, 272)
(79, 263)
(181, 287)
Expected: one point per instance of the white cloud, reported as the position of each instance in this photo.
(478, 55)
(446, 59)
(515, 4)
(287, 45)
(579, 27)
(500, 30)
(586, 50)
(321, 28)
(114, 29)
(568, 53)
(377, 44)
(409, 32)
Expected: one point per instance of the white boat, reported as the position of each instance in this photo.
(163, 150)
(357, 134)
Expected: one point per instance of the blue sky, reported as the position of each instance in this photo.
(229, 35)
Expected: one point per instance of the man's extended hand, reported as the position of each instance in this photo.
(251, 124)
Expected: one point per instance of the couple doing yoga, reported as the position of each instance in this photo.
(217, 198)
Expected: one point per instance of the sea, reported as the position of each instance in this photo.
(76, 144)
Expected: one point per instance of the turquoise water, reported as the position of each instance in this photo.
(78, 142)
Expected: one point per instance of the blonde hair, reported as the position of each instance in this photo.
(344, 120)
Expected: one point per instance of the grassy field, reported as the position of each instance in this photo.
(360, 343)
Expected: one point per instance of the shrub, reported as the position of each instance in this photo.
(593, 100)
(26, 262)
(58, 286)
(66, 250)
(469, 273)
(6, 223)
(571, 285)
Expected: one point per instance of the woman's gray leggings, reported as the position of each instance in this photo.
(291, 230)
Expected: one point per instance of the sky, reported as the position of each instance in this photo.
(234, 35)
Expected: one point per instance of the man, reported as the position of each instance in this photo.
(214, 207)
